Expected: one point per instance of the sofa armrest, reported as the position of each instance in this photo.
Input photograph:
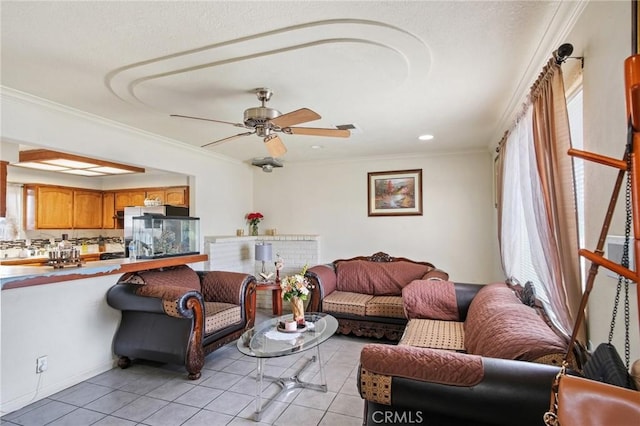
(323, 282)
(159, 299)
(124, 298)
(508, 393)
(464, 295)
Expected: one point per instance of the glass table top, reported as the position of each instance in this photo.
(266, 341)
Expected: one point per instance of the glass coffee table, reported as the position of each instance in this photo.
(269, 340)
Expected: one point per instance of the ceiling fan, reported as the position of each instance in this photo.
(265, 122)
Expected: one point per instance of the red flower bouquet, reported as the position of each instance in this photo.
(254, 218)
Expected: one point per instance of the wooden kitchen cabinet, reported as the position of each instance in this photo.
(173, 196)
(129, 199)
(156, 194)
(59, 207)
(177, 196)
(87, 209)
(48, 207)
(108, 210)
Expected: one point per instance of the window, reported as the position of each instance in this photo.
(575, 108)
(10, 226)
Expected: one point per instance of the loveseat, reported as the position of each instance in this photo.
(471, 355)
(178, 315)
(364, 293)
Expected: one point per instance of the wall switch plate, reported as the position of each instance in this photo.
(614, 246)
(41, 364)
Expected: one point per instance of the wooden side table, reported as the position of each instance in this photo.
(276, 294)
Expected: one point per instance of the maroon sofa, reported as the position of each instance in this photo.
(493, 364)
(364, 293)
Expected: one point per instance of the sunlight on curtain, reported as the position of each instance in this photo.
(538, 213)
(10, 228)
(523, 255)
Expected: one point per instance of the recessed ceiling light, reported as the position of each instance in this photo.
(317, 146)
(425, 137)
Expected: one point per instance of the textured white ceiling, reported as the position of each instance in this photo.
(397, 69)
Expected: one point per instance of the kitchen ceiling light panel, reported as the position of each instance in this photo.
(82, 172)
(41, 166)
(110, 170)
(54, 161)
(70, 164)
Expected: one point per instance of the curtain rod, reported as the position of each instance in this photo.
(564, 52)
(559, 56)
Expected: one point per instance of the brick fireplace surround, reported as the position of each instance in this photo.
(237, 254)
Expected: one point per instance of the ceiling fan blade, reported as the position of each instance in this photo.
(227, 139)
(274, 145)
(311, 131)
(209, 119)
(298, 116)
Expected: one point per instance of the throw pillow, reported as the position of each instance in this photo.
(430, 299)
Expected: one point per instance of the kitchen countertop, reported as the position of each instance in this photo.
(42, 260)
(26, 275)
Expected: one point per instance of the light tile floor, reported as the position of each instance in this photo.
(161, 395)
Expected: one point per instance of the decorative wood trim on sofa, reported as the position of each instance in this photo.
(381, 257)
(363, 328)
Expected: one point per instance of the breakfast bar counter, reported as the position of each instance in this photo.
(25, 275)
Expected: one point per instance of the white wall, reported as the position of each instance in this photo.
(70, 322)
(221, 188)
(603, 36)
(456, 231)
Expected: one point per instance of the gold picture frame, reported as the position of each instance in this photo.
(395, 193)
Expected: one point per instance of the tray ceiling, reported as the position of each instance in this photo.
(396, 70)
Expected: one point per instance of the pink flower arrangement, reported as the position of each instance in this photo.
(254, 218)
(295, 286)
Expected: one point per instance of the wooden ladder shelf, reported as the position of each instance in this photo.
(629, 164)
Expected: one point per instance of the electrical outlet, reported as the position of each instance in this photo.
(41, 364)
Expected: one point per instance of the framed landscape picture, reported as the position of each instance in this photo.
(395, 193)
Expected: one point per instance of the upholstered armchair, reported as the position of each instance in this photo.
(178, 315)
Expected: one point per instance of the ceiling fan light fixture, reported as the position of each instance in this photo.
(265, 121)
(274, 145)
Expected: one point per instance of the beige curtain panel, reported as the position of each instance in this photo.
(552, 140)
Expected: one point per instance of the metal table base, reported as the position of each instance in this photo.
(287, 383)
